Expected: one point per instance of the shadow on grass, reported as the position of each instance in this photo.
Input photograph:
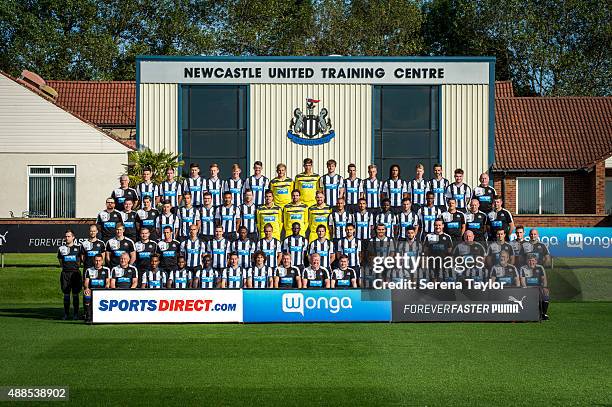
(46, 313)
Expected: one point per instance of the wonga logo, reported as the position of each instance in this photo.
(297, 303)
(575, 240)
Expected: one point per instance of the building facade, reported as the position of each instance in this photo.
(355, 110)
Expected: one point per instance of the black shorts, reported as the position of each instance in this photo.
(71, 281)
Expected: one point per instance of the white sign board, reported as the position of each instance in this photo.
(163, 306)
(382, 72)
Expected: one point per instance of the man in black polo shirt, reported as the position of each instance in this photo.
(454, 221)
(169, 250)
(124, 192)
(484, 193)
(70, 277)
(499, 218)
(146, 217)
(91, 247)
(107, 219)
(477, 222)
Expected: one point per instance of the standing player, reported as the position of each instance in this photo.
(145, 249)
(70, 277)
(406, 220)
(533, 275)
(460, 191)
(417, 189)
(315, 276)
(192, 249)
(438, 185)
(484, 193)
(129, 219)
(207, 218)
(118, 245)
(499, 218)
(286, 275)
(234, 186)
(124, 275)
(338, 220)
(228, 216)
(169, 250)
(498, 246)
(454, 221)
(306, 182)
(233, 275)
(168, 219)
(169, 190)
(477, 222)
(243, 247)
(270, 246)
(427, 215)
(205, 277)
(332, 184)
(388, 218)
(96, 276)
(395, 189)
(214, 185)
(146, 187)
(318, 215)
(188, 216)
(343, 276)
(91, 247)
(372, 189)
(107, 219)
(219, 248)
(146, 217)
(270, 214)
(353, 189)
(194, 184)
(364, 221)
(295, 245)
(504, 272)
(322, 247)
(281, 186)
(293, 212)
(257, 183)
(180, 278)
(154, 278)
(260, 275)
(350, 247)
(124, 192)
(248, 215)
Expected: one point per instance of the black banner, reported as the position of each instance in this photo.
(38, 237)
(508, 304)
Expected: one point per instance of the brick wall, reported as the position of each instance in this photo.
(563, 220)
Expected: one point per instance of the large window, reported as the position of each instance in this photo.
(214, 121)
(540, 196)
(51, 191)
(609, 196)
(405, 121)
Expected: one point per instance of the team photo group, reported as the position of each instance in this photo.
(309, 231)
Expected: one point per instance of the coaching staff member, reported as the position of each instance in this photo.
(70, 277)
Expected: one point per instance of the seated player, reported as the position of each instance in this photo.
(233, 275)
(154, 278)
(315, 276)
(286, 275)
(343, 276)
(97, 276)
(260, 275)
(504, 272)
(205, 276)
(124, 275)
(181, 276)
(533, 275)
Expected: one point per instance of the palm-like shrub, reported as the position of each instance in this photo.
(157, 162)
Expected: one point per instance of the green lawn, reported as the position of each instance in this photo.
(564, 361)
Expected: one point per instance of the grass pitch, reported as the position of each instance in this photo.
(565, 361)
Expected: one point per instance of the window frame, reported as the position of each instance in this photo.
(607, 179)
(518, 182)
(52, 174)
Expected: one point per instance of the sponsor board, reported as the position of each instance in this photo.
(510, 304)
(317, 305)
(164, 306)
(38, 237)
(576, 242)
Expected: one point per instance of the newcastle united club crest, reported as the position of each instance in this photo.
(310, 129)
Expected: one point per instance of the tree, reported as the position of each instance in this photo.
(158, 163)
